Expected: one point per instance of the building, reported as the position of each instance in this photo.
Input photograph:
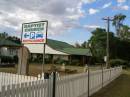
(8, 52)
(8, 48)
(58, 50)
(55, 51)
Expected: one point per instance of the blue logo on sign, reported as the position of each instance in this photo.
(39, 35)
(26, 35)
(32, 35)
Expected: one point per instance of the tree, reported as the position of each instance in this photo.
(118, 23)
(77, 45)
(98, 44)
(118, 48)
(3, 35)
(14, 39)
(11, 38)
(125, 32)
(84, 44)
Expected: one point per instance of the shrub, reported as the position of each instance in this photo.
(117, 62)
(75, 62)
(61, 61)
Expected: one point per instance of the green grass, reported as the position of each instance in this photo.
(118, 88)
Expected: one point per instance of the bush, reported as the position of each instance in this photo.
(75, 62)
(118, 62)
(61, 61)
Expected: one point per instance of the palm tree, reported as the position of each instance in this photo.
(118, 23)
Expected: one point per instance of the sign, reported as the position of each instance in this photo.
(105, 58)
(34, 32)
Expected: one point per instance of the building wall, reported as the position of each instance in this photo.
(63, 57)
(4, 51)
(49, 58)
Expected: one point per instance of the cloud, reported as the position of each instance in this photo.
(121, 1)
(91, 27)
(107, 5)
(88, 1)
(73, 12)
(59, 13)
(121, 7)
(93, 11)
(125, 7)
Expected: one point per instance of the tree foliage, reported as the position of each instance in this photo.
(118, 23)
(82, 45)
(125, 32)
(118, 48)
(5, 35)
(98, 43)
(77, 45)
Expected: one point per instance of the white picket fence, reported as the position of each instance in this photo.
(77, 85)
(9, 79)
(66, 86)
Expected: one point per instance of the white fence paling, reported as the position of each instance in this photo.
(66, 86)
(9, 78)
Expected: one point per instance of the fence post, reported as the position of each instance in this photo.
(102, 75)
(110, 74)
(54, 84)
(88, 81)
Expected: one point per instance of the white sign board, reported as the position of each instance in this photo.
(34, 32)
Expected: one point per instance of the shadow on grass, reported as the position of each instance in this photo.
(118, 88)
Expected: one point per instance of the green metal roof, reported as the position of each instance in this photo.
(58, 45)
(8, 43)
(67, 48)
(77, 51)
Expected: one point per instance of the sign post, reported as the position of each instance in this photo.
(35, 33)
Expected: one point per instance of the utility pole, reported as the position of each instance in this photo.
(108, 19)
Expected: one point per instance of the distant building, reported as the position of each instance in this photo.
(59, 50)
(55, 51)
(8, 48)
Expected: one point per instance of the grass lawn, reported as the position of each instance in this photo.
(118, 88)
(35, 69)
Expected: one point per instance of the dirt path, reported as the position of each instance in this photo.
(118, 88)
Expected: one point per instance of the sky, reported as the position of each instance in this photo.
(69, 20)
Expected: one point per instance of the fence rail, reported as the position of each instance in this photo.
(66, 86)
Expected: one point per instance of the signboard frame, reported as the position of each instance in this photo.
(44, 43)
(46, 29)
